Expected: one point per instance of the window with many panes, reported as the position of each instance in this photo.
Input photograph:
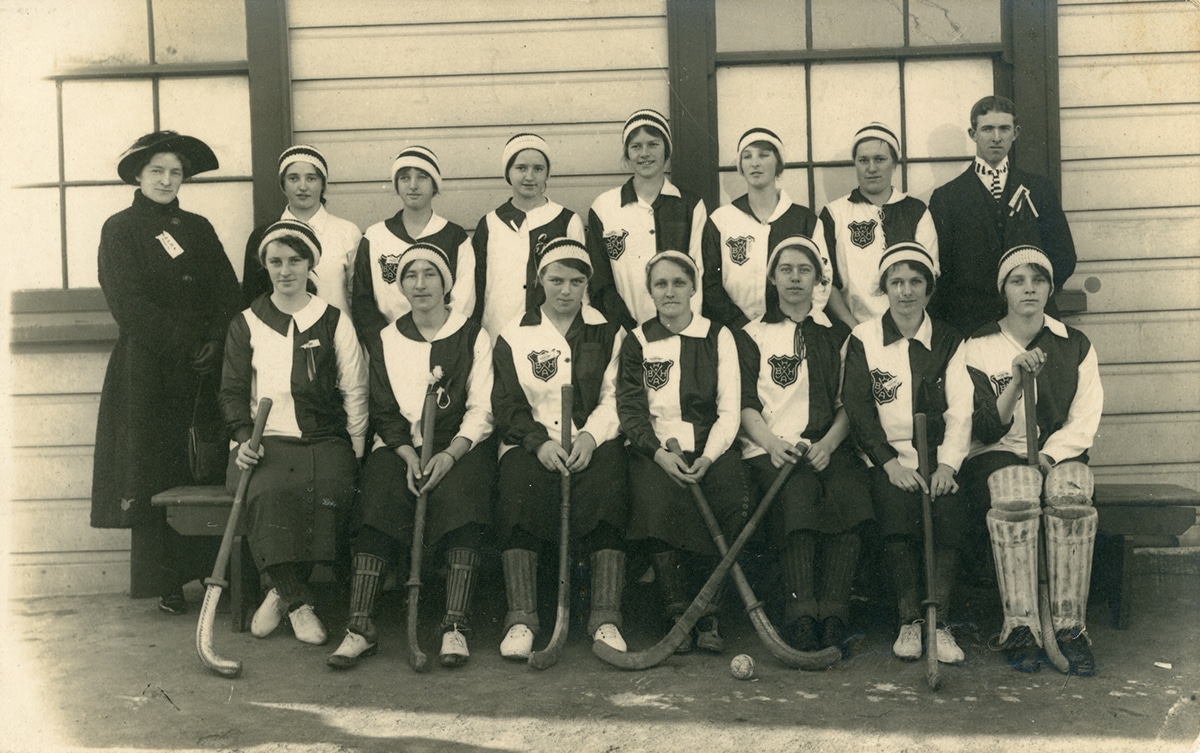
(90, 77)
(815, 71)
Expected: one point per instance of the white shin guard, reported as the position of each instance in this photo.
(1070, 535)
(1014, 536)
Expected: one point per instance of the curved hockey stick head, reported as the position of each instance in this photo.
(215, 583)
(204, 637)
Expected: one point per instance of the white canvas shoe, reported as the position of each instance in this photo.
(908, 643)
(354, 647)
(454, 651)
(268, 615)
(947, 648)
(609, 633)
(517, 643)
(307, 626)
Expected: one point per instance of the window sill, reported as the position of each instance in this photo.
(60, 317)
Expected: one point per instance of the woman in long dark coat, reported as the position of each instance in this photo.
(172, 291)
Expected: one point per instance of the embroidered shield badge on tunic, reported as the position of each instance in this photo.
(739, 248)
(862, 234)
(657, 373)
(614, 244)
(884, 386)
(388, 264)
(784, 369)
(1000, 381)
(545, 363)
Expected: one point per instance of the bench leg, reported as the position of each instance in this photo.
(1125, 598)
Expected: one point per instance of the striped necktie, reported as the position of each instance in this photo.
(994, 186)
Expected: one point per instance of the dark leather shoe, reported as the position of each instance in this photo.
(1077, 650)
(708, 635)
(1022, 650)
(834, 633)
(172, 604)
(802, 634)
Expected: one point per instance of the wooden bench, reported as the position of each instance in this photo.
(1132, 515)
(204, 511)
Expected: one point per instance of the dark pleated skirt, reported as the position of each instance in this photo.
(463, 496)
(900, 516)
(662, 510)
(298, 503)
(531, 496)
(835, 500)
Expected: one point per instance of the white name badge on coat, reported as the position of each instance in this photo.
(169, 244)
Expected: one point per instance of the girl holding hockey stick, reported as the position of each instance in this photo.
(431, 341)
(562, 341)
(791, 384)
(897, 365)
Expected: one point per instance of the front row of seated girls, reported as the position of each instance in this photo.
(794, 383)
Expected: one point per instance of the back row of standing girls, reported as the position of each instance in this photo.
(404, 266)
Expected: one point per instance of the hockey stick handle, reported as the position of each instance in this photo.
(1045, 616)
(416, 657)
(921, 434)
(666, 646)
(550, 655)
(216, 582)
(762, 624)
(1028, 395)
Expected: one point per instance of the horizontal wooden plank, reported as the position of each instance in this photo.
(575, 149)
(1129, 80)
(480, 48)
(51, 473)
(1136, 131)
(1128, 28)
(1150, 388)
(464, 202)
(1140, 182)
(1144, 439)
(1185, 474)
(1156, 337)
(50, 301)
(38, 575)
(75, 372)
(476, 100)
(54, 420)
(1110, 2)
(77, 327)
(1146, 495)
(1136, 233)
(309, 13)
(47, 526)
(1139, 284)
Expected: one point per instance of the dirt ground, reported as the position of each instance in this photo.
(106, 673)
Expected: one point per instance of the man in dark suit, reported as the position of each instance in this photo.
(987, 210)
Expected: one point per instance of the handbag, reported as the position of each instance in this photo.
(208, 444)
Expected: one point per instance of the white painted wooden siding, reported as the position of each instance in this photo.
(52, 548)
(1130, 100)
(463, 77)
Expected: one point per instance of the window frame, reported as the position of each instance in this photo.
(267, 69)
(1025, 69)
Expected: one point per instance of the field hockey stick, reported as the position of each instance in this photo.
(933, 674)
(550, 655)
(216, 583)
(417, 658)
(658, 653)
(1045, 617)
(762, 624)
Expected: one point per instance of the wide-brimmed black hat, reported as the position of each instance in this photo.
(197, 154)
